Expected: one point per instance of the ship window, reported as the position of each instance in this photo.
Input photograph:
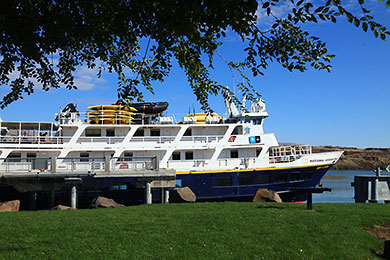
(263, 179)
(245, 180)
(93, 132)
(139, 132)
(258, 151)
(257, 121)
(176, 156)
(188, 132)
(189, 155)
(233, 153)
(14, 157)
(295, 176)
(308, 175)
(84, 157)
(155, 132)
(237, 130)
(224, 181)
(128, 156)
(110, 132)
(119, 186)
(280, 177)
(31, 155)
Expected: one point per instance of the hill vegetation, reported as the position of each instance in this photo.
(358, 159)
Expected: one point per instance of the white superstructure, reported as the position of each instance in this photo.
(237, 142)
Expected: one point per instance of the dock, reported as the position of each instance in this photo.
(372, 188)
(54, 174)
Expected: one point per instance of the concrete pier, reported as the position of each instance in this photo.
(62, 175)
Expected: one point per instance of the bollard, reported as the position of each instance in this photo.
(73, 197)
(148, 193)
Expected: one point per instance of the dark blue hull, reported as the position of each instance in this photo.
(243, 184)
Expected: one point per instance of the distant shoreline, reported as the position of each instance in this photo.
(358, 159)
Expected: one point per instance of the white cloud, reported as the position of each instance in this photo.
(87, 79)
(280, 11)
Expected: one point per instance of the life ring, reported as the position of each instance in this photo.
(124, 166)
(232, 138)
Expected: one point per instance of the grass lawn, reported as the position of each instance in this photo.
(228, 230)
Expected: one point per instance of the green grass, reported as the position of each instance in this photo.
(196, 231)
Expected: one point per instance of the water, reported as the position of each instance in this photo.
(340, 183)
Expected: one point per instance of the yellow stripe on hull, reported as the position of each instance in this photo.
(254, 169)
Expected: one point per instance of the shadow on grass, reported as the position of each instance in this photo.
(270, 207)
(13, 248)
(379, 254)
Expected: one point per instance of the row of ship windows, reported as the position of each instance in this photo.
(92, 132)
(265, 178)
(189, 155)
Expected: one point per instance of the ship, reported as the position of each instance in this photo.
(217, 157)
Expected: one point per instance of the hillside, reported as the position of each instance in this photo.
(358, 159)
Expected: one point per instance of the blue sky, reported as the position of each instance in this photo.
(348, 107)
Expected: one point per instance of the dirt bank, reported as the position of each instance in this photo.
(358, 159)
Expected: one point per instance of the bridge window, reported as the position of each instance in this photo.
(93, 132)
(224, 181)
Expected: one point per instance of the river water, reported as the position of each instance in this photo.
(340, 183)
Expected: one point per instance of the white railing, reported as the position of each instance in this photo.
(285, 154)
(202, 139)
(133, 163)
(9, 139)
(153, 139)
(107, 140)
(24, 164)
(80, 164)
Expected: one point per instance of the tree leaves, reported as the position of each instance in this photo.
(107, 34)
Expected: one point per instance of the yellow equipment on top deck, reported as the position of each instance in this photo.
(109, 115)
(112, 107)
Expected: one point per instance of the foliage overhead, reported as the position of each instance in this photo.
(44, 41)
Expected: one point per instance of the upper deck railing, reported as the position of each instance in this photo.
(284, 154)
(78, 164)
